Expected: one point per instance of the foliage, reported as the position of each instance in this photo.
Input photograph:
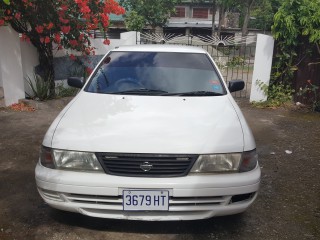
(278, 94)
(134, 22)
(310, 91)
(62, 91)
(61, 23)
(295, 21)
(236, 62)
(297, 31)
(40, 88)
(153, 13)
(263, 14)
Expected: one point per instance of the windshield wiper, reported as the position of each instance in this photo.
(144, 91)
(195, 93)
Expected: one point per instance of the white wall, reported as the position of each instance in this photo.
(126, 38)
(1, 84)
(30, 59)
(11, 66)
(18, 60)
(262, 67)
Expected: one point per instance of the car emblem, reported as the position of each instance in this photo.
(146, 166)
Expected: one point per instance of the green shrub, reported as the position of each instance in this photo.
(278, 94)
(62, 91)
(236, 62)
(39, 87)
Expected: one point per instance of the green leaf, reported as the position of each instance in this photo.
(6, 2)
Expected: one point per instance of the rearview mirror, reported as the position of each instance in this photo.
(75, 82)
(236, 85)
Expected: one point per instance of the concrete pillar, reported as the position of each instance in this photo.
(11, 66)
(262, 67)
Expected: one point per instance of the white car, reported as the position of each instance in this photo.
(154, 134)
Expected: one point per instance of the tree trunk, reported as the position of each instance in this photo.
(214, 9)
(221, 18)
(46, 65)
(248, 6)
(245, 31)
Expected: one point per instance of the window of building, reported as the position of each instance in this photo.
(200, 13)
(180, 12)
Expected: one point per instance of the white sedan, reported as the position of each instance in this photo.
(154, 134)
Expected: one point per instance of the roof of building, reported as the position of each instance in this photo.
(116, 18)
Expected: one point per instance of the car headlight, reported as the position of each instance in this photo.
(229, 162)
(69, 160)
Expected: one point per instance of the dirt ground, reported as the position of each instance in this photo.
(288, 206)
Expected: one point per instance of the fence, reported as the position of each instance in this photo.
(234, 57)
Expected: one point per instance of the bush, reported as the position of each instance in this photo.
(278, 94)
(62, 91)
(39, 87)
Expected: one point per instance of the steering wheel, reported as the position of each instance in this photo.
(125, 83)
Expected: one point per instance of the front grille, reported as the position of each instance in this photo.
(146, 165)
(175, 203)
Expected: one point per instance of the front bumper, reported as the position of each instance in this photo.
(191, 197)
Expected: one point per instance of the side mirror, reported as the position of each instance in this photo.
(75, 82)
(236, 85)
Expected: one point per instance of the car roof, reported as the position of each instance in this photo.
(159, 48)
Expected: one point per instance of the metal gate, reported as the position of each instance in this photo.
(234, 56)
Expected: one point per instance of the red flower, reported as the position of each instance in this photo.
(64, 21)
(309, 81)
(65, 29)
(27, 3)
(47, 40)
(24, 37)
(57, 38)
(85, 9)
(1, 22)
(50, 26)
(81, 37)
(72, 57)
(89, 70)
(106, 42)
(64, 7)
(73, 43)
(17, 16)
(105, 20)
(39, 29)
(87, 51)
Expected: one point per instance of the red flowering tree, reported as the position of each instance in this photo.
(64, 22)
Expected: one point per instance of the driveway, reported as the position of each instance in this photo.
(288, 206)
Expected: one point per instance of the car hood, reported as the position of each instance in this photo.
(148, 124)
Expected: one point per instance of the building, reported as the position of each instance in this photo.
(192, 18)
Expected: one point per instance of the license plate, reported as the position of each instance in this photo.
(145, 200)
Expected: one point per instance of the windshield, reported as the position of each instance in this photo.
(154, 73)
